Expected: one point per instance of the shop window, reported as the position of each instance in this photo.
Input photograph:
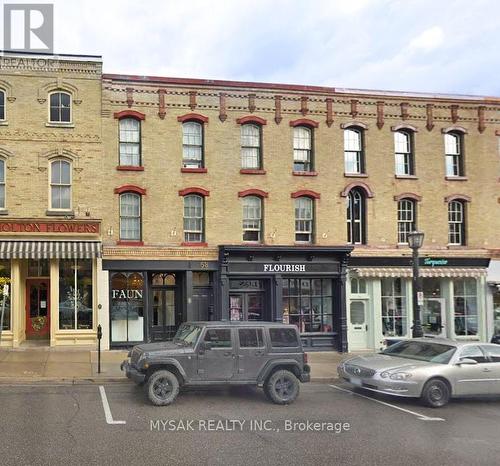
(130, 217)
(302, 149)
(403, 148)
(358, 286)
(354, 162)
(465, 307)
(75, 294)
(406, 219)
(60, 107)
(2, 184)
(308, 304)
(250, 338)
(453, 143)
(163, 279)
(496, 312)
(130, 142)
(60, 185)
(2, 105)
(456, 223)
(252, 218)
(38, 268)
(5, 280)
(356, 228)
(193, 219)
(192, 145)
(127, 307)
(304, 219)
(250, 146)
(394, 307)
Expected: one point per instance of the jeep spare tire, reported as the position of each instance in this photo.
(162, 388)
(282, 387)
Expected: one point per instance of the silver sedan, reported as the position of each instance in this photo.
(431, 369)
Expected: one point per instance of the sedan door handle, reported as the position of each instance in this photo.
(486, 370)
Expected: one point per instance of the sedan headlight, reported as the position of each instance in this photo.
(400, 376)
(384, 374)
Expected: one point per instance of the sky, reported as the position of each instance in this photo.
(442, 46)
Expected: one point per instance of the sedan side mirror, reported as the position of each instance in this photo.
(466, 361)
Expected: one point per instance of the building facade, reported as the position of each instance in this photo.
(234, 200)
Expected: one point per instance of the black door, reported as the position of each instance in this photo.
(165, 310)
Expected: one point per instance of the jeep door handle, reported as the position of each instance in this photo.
(259, 353)
(228, 353)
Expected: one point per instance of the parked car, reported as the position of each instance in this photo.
(265, 354)
(432, 369)
(496, 339)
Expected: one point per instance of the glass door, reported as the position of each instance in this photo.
(165, 318)
(246, 306)
(433, 318)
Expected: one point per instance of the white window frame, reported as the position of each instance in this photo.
(56, 122)
(351, 219)
(138, 217)
(3, 183)
(303, 145)
(129, 143)
(403, 159)
(252, 147)
(460, 223)
(357, 153)
(190, 162)
(2, 91)
(248, 219)
(197, 218)
(405, 224)
(53, 184)
(304, 224)
(453, 152)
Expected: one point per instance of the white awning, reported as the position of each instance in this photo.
(407, 272)
(50, 249)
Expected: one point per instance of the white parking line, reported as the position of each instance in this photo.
(421, 417)
(107, 411)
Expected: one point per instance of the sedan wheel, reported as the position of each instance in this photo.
(436, 393)
(162, 388)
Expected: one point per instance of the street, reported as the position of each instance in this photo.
(87, 424)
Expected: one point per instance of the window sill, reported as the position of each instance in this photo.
(406, 177)
(194, 245)
(355, 175)
(4, 123)
(4, 212)
(311, 173)
(456, 246)
(252, 171)
(456, 178)
(130, 168)
(60, 213)
(304, 243)
(129, 243)
(193, 170)
(59, 125)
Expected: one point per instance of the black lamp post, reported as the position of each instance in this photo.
(415, 241)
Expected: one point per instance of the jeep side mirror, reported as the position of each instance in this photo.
(205, 346)
(466, 361)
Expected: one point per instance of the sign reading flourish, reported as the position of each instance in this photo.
(43, 226)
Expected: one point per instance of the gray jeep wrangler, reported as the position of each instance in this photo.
(265, 354)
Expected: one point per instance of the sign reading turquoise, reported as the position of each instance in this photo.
(433, 262)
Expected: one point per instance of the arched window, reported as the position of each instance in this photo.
(406, 219)
(453, 144)
(130, 142)
(130, 217)
(60, 107)
(403, 148)
(2, 184)
(356, 228)
(354, 159)
(192, 144)
(250, 146)
(193, 218)
(302, 149)
(252, 218)
(2, 104)
(456, 222)
(304, 219)
(60, 185)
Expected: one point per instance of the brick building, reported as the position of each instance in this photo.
(233, 200)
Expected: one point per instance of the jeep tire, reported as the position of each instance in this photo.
(162, 388)
(282, 387)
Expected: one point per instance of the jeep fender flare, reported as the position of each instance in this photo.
(168, 362)
(272, 365)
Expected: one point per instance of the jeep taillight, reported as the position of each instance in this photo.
(305, 358)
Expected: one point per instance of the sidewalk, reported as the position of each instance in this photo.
(80, 366)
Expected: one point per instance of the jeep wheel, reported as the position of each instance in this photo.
(436, 393)
(282, 387)
(162, 388)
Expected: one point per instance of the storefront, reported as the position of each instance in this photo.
(304, 286)
(149, 299)
(379, 292)
(493, 298)
(51, 269)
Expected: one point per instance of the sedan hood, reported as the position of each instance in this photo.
(380, 362)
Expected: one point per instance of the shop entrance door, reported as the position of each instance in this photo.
(246, 306)
(37, 309)
(433, 317)
(165, 317)
(358, 327)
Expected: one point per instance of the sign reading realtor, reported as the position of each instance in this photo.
(284, 268)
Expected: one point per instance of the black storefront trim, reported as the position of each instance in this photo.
(159, 265)
(274, 264)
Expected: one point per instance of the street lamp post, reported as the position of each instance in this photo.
(415, 241)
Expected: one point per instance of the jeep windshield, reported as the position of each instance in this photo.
(187, 335)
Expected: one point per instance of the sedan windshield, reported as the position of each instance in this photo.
(422, 351)
(187, 334)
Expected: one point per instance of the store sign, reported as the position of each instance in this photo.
(285, 268)
(92, 228)
(430, 262)
(126, 294)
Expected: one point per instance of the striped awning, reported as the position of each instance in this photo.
(50, 249)
(407, 272)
